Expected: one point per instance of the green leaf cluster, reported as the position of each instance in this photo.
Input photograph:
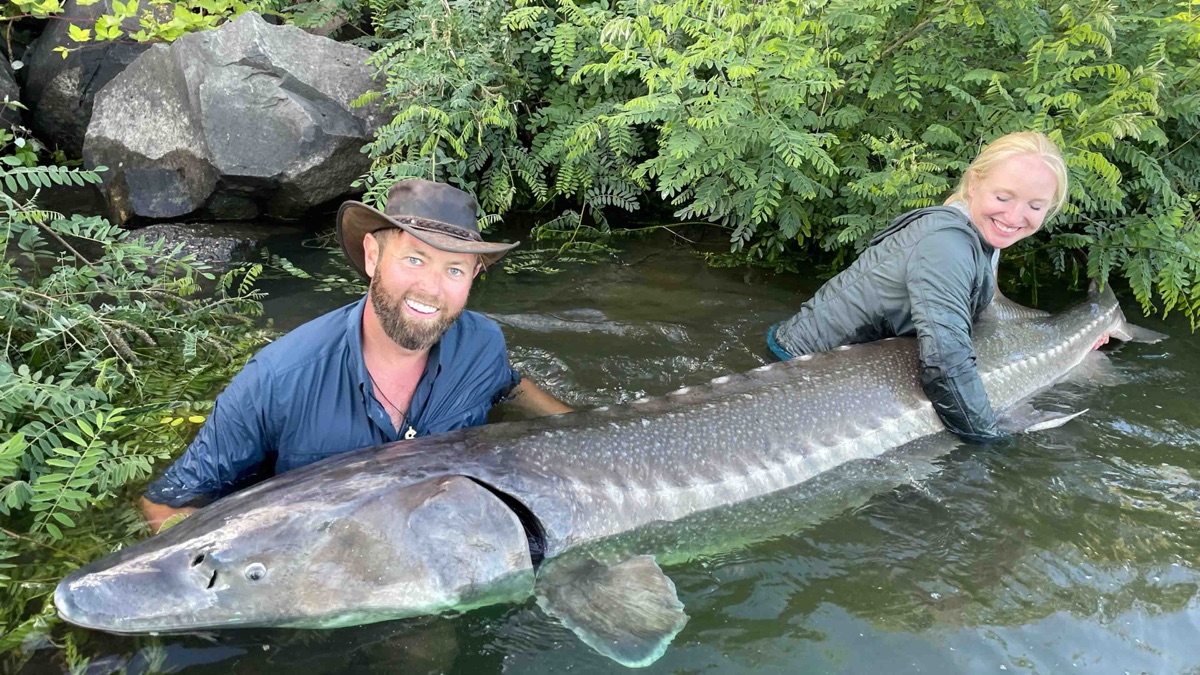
(114, 348)
(38, 9)
(802, 126)
(142, 20)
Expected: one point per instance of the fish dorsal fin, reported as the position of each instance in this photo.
(628, 612)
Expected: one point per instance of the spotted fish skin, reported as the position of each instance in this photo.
(598, 473)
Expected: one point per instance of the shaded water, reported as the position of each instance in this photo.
(1073, 550)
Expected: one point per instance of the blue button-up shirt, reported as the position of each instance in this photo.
(308, 396)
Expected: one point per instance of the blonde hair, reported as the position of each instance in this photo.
(1031, 143)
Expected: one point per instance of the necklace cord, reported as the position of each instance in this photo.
(376, 387)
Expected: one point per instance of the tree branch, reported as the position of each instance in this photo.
(35, 542)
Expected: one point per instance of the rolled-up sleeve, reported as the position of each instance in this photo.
(940, 277)
(508, 379)
(231, 446)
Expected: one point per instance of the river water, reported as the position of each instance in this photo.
(1071, 550)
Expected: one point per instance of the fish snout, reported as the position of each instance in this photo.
(66, 600)
(148, 592)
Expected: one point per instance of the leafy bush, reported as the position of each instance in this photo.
(801, 127)
(112, 356)
(168, 20)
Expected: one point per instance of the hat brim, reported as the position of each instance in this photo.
(356, 220)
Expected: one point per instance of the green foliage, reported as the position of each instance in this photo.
(146, 20)
(803, 126)
(24, 149)
(567, 239)
(174, 20)
(446, 74)
(459, 89)
(322, 15)
(112, 355)
(38, 9)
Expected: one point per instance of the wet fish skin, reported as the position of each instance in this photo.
(460, 520)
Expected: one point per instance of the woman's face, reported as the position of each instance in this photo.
(1011, 201)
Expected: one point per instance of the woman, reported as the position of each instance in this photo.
(932, 271)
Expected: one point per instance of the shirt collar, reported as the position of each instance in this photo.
(962, 207)
(353, 337)
(358, 370)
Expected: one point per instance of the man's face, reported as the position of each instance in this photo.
(1011, 201)
(417, 291)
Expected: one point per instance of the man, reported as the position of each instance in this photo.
(404, 361)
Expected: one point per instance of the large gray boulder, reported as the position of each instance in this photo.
(59, 92)
(247, 120)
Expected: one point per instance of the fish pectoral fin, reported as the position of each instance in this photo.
(1024, 418)
(628, 612)
(1128, 332)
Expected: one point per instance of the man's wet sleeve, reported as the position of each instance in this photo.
(232, 445)
(940, 279)
(506, 377)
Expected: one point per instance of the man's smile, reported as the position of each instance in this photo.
(420, 307)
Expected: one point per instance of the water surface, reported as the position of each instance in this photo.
(1072, 550)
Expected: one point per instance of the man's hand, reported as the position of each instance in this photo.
(157, 513)
(1101, 342)
(531, 400)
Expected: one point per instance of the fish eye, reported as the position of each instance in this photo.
(256, 571)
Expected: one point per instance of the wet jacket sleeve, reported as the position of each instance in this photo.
(230, 448)
(940, 277)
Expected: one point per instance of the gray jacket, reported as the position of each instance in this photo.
(929, 274)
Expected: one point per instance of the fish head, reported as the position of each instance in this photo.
(369, 553)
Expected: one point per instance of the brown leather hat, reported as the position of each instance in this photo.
(438, 214)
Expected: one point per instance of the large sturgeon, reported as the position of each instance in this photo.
(571, 508)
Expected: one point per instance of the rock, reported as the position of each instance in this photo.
(218, 244)
(247, 120)
(9, 91)
(60, 92)
(73, 200)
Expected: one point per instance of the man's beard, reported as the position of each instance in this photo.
(411, 334)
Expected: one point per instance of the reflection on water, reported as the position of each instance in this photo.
(1071, 550)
